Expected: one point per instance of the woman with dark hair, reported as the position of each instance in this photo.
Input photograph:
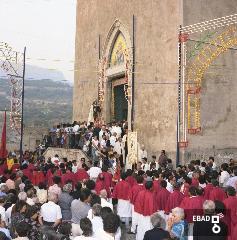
(18, 215)
(65, 229)
(32, 215)
(77, 191)
(86, 227)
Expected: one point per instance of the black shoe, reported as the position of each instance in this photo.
(130, 232)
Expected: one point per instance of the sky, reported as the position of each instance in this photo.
(45, 27)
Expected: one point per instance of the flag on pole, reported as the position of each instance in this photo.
(3, 146)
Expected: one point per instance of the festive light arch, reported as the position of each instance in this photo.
(12, 63)
(191, 72)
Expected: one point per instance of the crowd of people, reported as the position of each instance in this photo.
(59, 199)
(106, 142)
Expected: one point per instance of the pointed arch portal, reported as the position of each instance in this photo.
(115, 75)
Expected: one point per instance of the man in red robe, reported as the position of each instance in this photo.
(231, 206)
(192, 205)
(107, 177)
(175, 199)
(148, 207)
(162, 196)
(100, 185)
(209, 187)
(217, 193)
(186, 185)
(133, 196)
(195, 181)
(121, 192)
(81, 174)
(68, 176)
(157, 179)
(130, 179)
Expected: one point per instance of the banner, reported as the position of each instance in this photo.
(132, 148)
(3, 147)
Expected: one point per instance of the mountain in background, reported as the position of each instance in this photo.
(38, 73)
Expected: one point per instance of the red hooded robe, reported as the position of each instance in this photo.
(174, 200)
(161, 199)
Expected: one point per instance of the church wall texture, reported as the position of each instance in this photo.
(156, 71)
(218, 95)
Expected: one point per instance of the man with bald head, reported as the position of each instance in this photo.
(104, 199)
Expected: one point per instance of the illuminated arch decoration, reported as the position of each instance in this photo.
(12, 63)
(193, 63)
(116, 60)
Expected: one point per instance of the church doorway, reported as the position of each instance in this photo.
(119, 103)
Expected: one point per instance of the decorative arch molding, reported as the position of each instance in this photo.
(116, 28)
(108, 72)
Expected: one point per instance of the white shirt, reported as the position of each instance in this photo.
(202, 185)
(75, 129)
(232, 182)
(50, 212)
(145, 167)
(214, 166)
(190, 174)
(103, 143)
(74, 168)
(3, 213)
(9, 214)
(202, 169)
(94, 172)
(224, 177)
(84, 238)
(30, 201)
(118, 147)
(102, 235)
(55, 160)
(118, 130)
(95, 143)
(105, 203)
(21, 238)
(169, 187)
(101, 133)
(97, 224)
(112, 140)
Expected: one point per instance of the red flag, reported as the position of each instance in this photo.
(3, 146)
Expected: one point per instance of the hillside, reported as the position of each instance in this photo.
(46, 101)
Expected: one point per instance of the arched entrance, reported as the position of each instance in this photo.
(115, 75)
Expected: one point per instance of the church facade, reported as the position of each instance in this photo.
(129, 57)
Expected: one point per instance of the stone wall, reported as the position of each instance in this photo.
(70, 154)
(156, 70)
